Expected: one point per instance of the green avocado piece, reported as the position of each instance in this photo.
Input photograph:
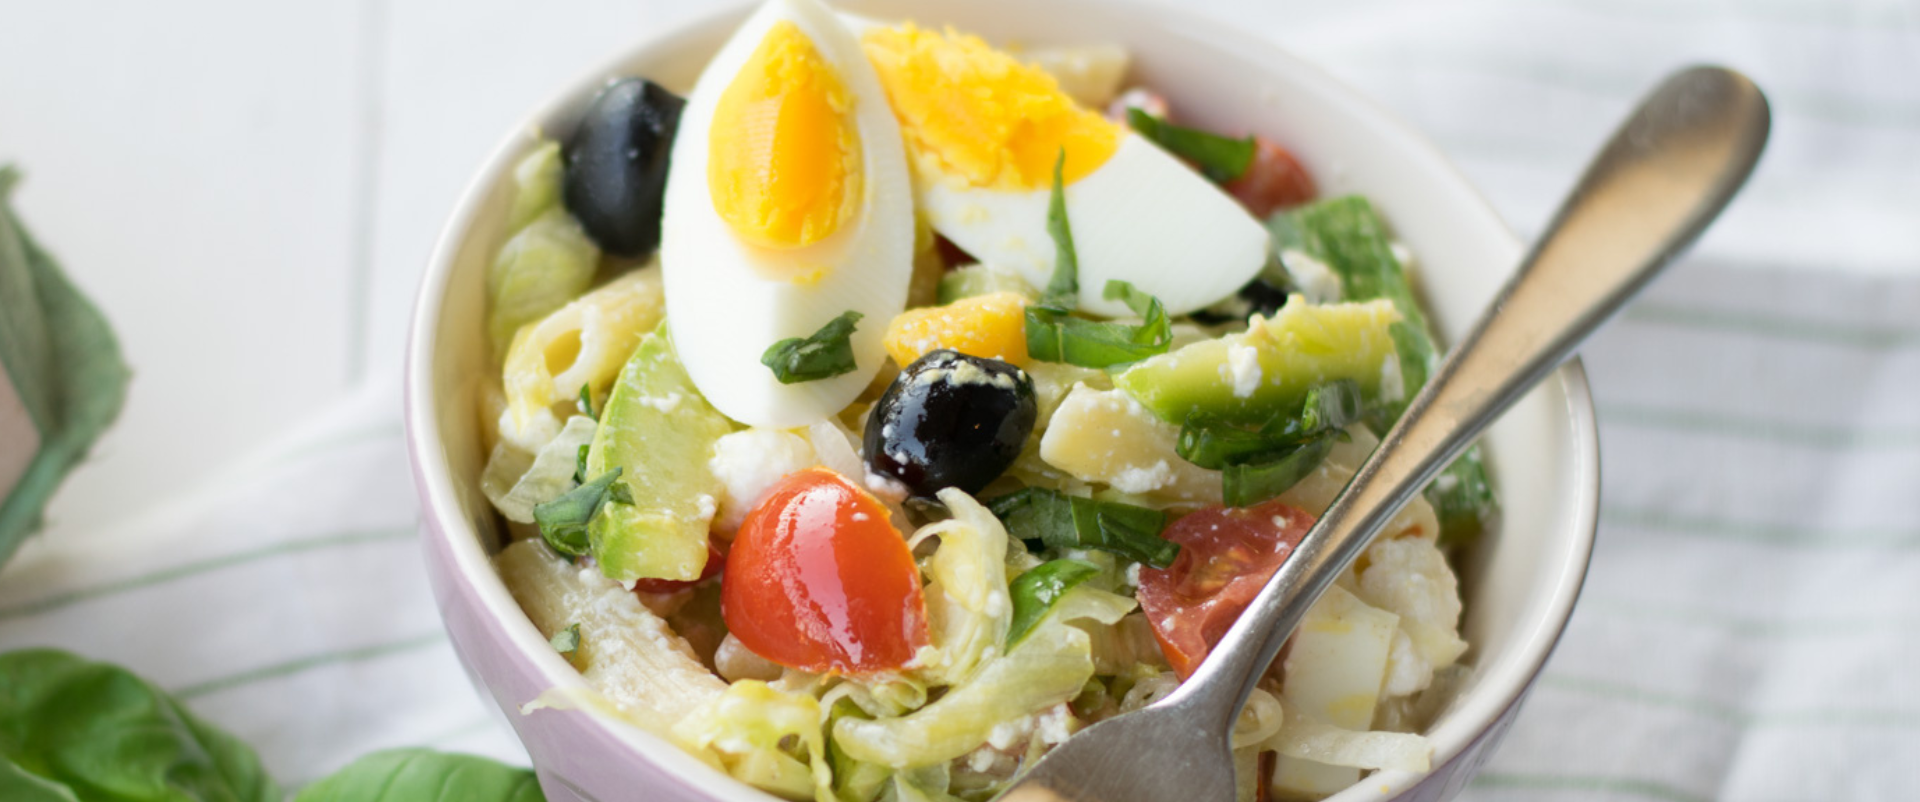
(660, 431)
(1249, 377)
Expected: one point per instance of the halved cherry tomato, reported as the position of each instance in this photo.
(1226, 556)
(716, 560)
(1273, 181)
(818, 579)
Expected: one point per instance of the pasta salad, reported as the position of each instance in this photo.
(892, 406)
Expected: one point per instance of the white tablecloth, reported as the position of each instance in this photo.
(1751, 620)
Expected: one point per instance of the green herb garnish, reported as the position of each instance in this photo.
(1219, 158)
(580, 463)
(1055, 335)
(1036, 591)
(1247, 485)
(1055, 520)
(1214, 444)
(563, 521)
(824, 354)
(566, 641)
(585, 402)
(1063, 289)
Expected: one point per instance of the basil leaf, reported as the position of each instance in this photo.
(1036, 591)
(563, 521)
(580, 463)
(75, 730)
(822, 355)
(1247, 485)
(1063, 289)
(1214, 444)
(423, 775)
(63, 362)
(620, 493)
(585, 402)
(1059, 521)
(1219, 158)
(1055, 336)
(566, 641)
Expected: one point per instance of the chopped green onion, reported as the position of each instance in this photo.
(585, 402)
(566, 641)
(1055, 336)
(1036, 591)
(1063, 289)
(824, 354)
(1219, 158)
(1060, 521)
(1247, 485)
(563, 521)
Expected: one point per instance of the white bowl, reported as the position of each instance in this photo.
(1520, 582)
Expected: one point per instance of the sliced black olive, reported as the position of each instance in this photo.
(950, 420)
(617, 165)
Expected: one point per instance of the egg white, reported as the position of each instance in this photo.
(1142, 217)
(722, 304)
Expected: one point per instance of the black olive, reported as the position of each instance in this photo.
(950, 420)
(1257, 297)
(617, 165)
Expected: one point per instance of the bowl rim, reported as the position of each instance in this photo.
(472, 566)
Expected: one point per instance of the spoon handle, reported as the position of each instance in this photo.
(1664, 175)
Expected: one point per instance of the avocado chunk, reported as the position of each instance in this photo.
(659, 430)
(1248, 377)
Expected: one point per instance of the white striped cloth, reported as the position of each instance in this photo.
(1752, 618)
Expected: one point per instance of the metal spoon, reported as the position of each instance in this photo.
(1656, 185)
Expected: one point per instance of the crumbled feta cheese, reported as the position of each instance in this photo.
(1393, 386)
(1312, 277)
(1243, 361)
(1407, 671)
(748, 464)
(1137, 479)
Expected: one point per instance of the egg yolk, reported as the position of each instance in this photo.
(784, 155)
(978, 116)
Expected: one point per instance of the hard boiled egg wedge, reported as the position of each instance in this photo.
(983, 132)
(788, 203)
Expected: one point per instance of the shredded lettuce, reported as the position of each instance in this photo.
(544, 479)
(968, 609)
(743, 729)
(1049, 668)
(1307, 738)
(547, 262)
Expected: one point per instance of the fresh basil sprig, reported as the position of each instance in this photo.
(1247, 485)
(823, 354)
(1036, 591)
(1219, 158)
(424, 775)
(73, 729)
(1056, 520)
(585, 402)
(563, 521)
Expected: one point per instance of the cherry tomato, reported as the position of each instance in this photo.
(819, 580)
(1227, 554)
(716, 560)
(1275, 180)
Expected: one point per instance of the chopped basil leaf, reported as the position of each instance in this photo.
(585, 402)
(563, 521)
(1056, 520)
(1215, 444)
(1055, 336)
(824, 354)
(566, 641)
(580, 463)
(1247, 485)
(1063, 289)
(620, 493)
(1219, 158)
(1036, 591)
